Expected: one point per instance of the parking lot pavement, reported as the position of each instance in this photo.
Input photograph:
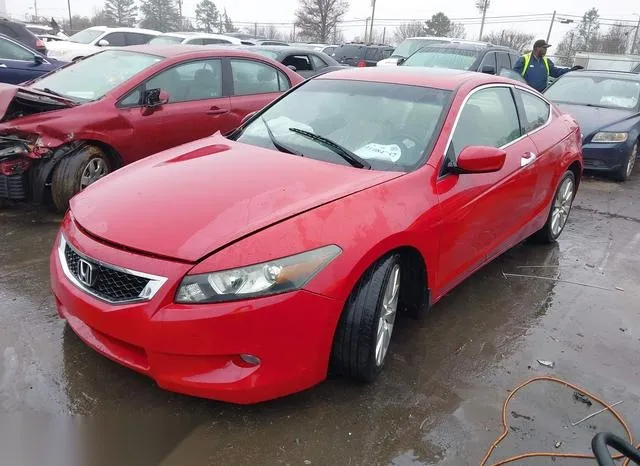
(439, 398)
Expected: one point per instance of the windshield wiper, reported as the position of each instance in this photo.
(346, 154)
(279, 145)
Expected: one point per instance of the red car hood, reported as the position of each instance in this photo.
(192, 200)
(26, 101)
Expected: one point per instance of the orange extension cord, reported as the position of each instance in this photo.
(505, 426)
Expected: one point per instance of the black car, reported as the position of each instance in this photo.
(468, 56)
(19, 32)
(305, 62)
(362, 55)
(607, 107)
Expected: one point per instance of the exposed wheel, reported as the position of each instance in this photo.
(364, 332)
(624, 172)
(560, 209)
(76, 172)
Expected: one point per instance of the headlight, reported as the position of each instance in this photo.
(606, 136)
(267, 278)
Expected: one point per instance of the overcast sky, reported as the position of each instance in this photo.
(283, 11)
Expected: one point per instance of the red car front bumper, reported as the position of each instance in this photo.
(195, 349)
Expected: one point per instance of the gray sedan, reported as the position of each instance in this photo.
(303, 61)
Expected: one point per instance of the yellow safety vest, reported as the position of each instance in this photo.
(527, 60)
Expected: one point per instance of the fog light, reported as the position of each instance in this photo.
(250, 359)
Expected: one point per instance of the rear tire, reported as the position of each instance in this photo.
(624, 172)
(560, 210)
(75, 172)
(362, 338)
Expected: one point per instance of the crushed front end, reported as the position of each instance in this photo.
(17, 155)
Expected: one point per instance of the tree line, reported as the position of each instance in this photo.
(161, 15)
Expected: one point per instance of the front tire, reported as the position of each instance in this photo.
(364, 332)
(75, 172)
(624, 172)
(560, 209)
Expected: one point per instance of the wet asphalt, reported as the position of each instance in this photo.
(437, 402)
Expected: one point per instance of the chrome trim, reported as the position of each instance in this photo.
(507, 86)
(149, 291)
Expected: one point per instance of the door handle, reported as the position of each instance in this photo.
(527, 158)
(217, 111)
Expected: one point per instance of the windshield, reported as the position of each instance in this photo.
(93, 77)
(86, 36)
(348, 114)
(409, 46)
(595, 90)
(456, 59)
(164, 40)
(266, 53)
(350, 51)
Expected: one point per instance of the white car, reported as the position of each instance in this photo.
(194, 38)
(411, 45)
(93, 39)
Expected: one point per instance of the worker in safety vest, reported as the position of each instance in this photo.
(536, 68)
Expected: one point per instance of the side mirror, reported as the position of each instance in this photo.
(154, 98)
(401, 61)
(292, 68)
(38, 60)
(488, 69)
(103, 43)
(479, 159)
(247, 117)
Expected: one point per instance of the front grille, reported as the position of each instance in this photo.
(13, 187)
(107, 283)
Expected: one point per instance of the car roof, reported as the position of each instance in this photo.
(279, 48)
(109, 29)
(439, 78)
(194, 51)
(192, 34)
(469, 45)
(628, 75)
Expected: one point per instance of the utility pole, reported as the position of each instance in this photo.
(35, 10)
(373, 13)
(294, 32)
(255, 30)
(70, 22)
(635, 37)
(484, 15)
(366, 30)
(553, 18)
(384, 34)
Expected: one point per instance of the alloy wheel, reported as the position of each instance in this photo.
(562, 206)
(95, 169)
(388, 314)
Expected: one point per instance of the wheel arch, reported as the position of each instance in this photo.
(576, 169)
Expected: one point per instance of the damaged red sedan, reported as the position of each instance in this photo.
(64, 131)
(243, 268)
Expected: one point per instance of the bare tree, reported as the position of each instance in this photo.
(317, 19)
(271, 32)
(412, 29)
(616, 39)
(457, 31)
(511, 38)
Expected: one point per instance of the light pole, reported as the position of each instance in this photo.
(373, 13)
(70, 21)
(366, 29)
(553, 19)
(635, 34)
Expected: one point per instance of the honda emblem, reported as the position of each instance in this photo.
(86, 273)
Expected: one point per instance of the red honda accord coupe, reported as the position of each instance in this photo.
(243, 268)
(62, 132)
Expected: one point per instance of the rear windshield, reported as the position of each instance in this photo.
(350, 51)
(164, 40)
(443, 57)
